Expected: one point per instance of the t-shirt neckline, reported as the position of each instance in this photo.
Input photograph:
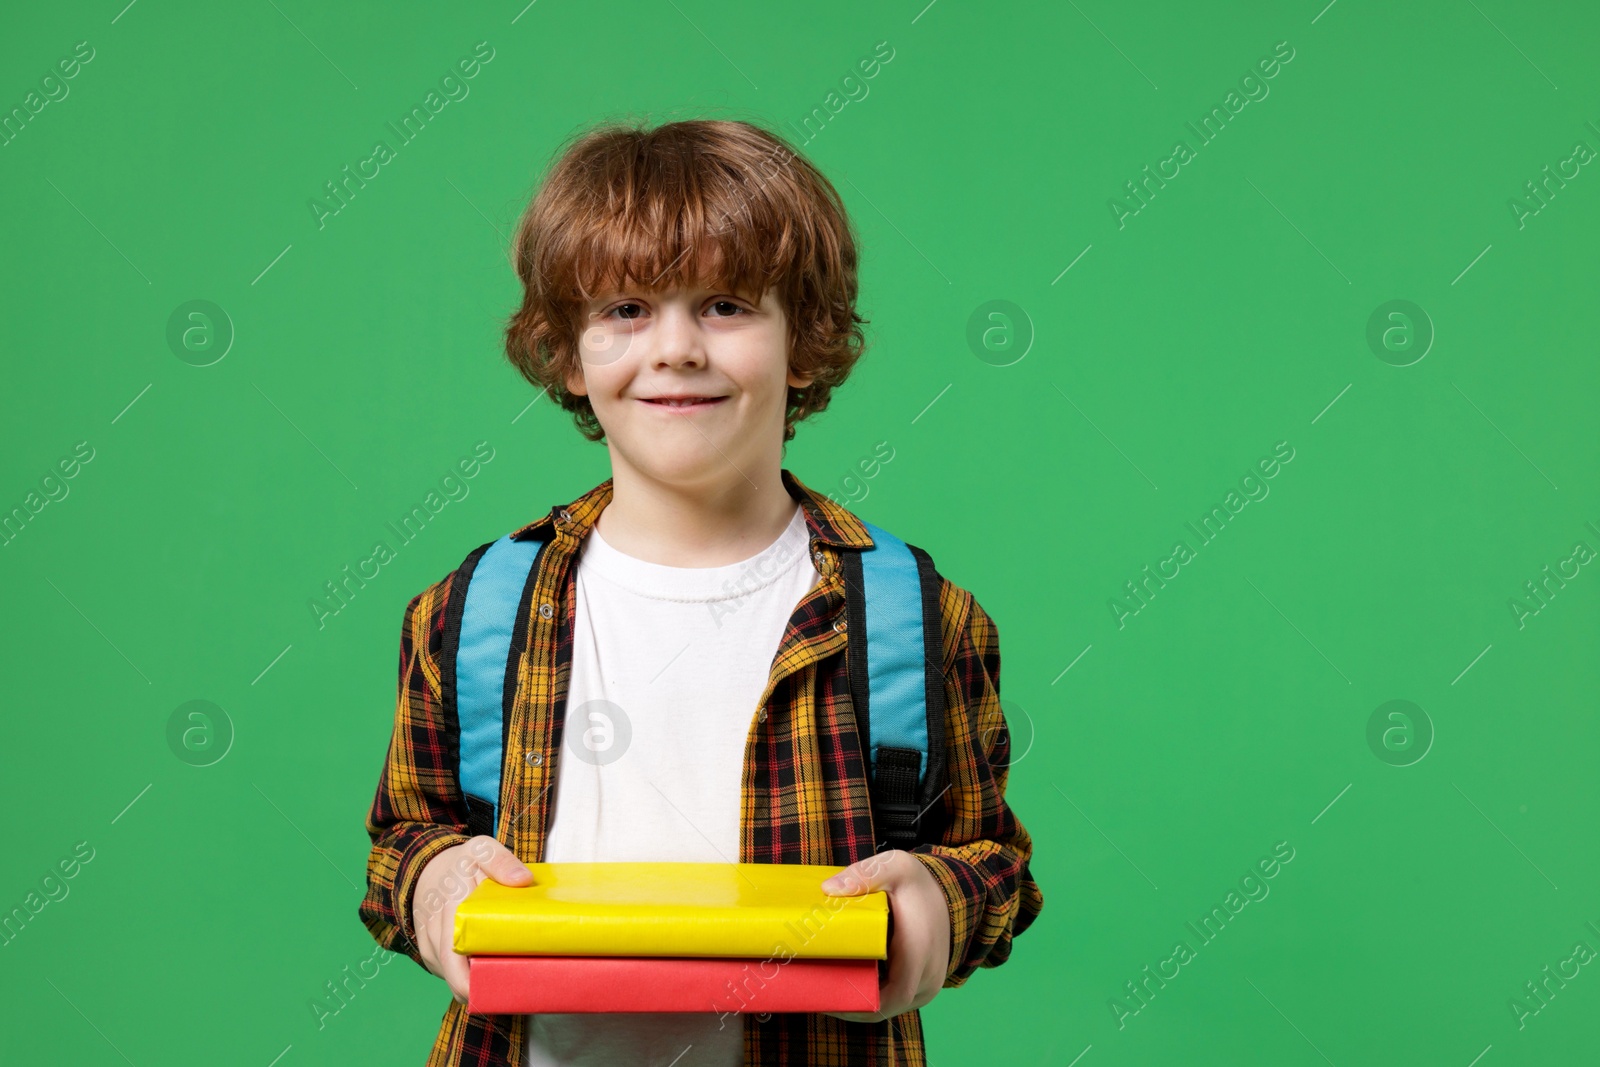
(699, 584)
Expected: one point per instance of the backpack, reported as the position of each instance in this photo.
(894, 658)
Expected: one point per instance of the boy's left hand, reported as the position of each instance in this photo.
(919, 947)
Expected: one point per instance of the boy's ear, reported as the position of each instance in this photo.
(800, 381)
(575, 384)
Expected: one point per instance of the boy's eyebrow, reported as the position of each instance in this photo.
(743, 290)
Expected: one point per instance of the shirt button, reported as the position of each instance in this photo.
(566, 516)
(761, 716)
(545, 611)
(534, 758)
(838, 626)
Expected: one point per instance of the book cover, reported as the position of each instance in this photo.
(673, 909)
(534, 984)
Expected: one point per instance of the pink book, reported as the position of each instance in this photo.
(537, 984)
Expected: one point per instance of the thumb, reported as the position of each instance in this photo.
(863, 876)
(501, 864)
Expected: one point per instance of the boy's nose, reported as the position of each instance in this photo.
(679, 340)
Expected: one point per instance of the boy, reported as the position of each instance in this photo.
(689, 296)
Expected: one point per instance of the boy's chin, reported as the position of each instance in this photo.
(685, 463)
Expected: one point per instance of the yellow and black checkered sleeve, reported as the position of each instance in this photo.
(981, 859)
(418, 809)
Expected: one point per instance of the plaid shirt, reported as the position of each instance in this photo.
(803, 798)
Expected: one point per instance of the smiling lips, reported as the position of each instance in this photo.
(684, 403)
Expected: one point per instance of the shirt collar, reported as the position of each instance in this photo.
(829, 523)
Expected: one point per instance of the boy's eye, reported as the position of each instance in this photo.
(630, 310)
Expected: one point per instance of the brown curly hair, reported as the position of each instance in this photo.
(722, 202)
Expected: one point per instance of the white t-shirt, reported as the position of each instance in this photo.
(668, 664)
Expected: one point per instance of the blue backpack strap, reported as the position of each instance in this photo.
(895, 660)
(483, 638)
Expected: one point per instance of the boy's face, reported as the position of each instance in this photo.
(721, 349)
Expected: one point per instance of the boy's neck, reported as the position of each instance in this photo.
(710, 525)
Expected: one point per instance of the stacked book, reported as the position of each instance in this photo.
(649, 937)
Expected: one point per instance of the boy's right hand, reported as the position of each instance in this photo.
(445, 882)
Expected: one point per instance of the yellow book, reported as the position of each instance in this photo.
(673, 909)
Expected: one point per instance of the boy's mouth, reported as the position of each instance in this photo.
(683, 403)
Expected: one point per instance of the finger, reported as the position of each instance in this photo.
(450, 965)
(896, 992)
(444, 933)
(444, 929)
(499, 862)
(924, 986)
(458, 974)
(428, 942)
(876, 872)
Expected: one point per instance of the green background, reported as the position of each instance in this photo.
(1229, 314)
